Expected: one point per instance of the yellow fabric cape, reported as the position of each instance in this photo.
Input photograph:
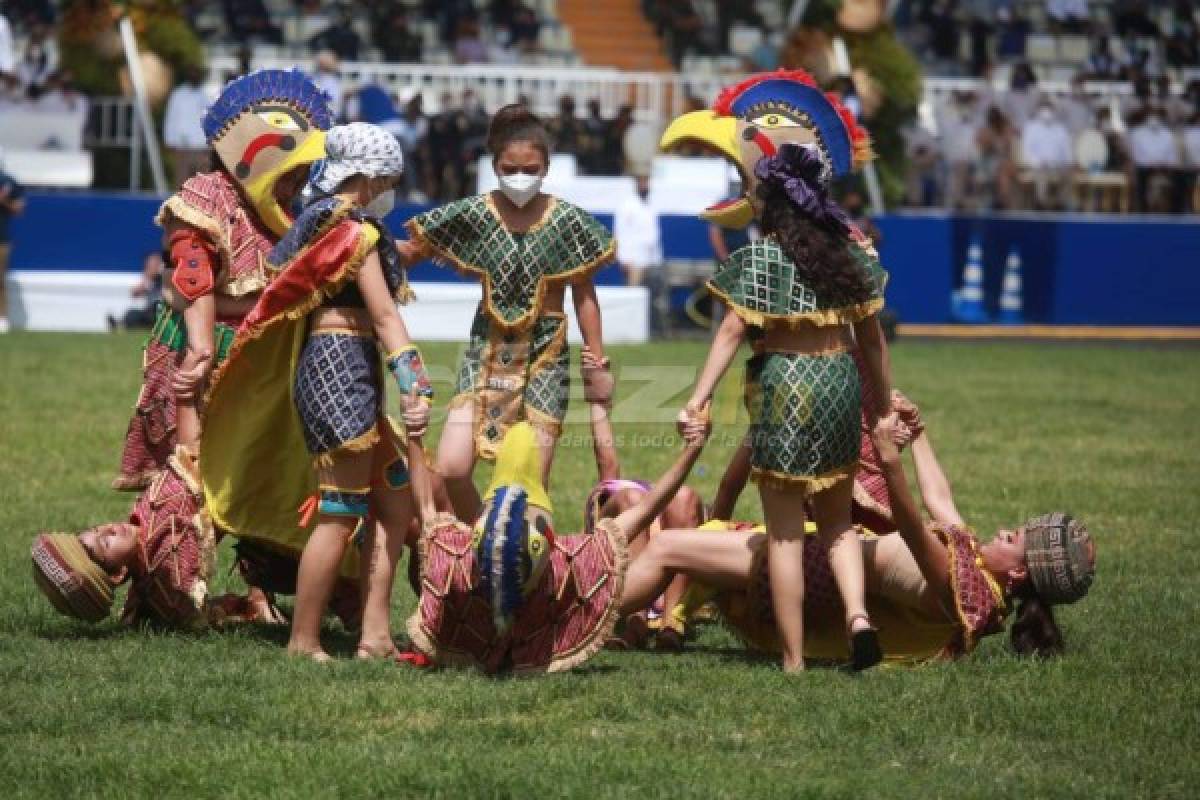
(254, 465)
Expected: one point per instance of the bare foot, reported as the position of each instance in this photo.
(793, 667)
(371, 651)
(314, 653)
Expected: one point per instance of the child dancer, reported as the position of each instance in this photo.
(525, 247)
(310, 353)
(810, 278)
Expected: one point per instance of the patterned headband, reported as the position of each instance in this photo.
(1057, 556)
(75, 584)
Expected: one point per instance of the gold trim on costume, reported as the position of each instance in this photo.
(807, 484)
(846, 315)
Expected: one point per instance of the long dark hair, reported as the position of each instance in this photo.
(1034, 632)
(820, 252)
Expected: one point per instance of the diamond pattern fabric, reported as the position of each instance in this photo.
(805, 412)
(338, 389)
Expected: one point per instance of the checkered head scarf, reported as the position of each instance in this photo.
(75, 584)
(359, 148)
(1057, 556)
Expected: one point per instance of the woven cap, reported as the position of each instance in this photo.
(75, 584)
(1058, 555)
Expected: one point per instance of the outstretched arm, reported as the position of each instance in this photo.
(927, 550)
(421, 479)
(724, 347)
(587, 311)
(665, 488)
(733, 482)
(597, 390)
(874, 349)
(935, 487)
(403, 358)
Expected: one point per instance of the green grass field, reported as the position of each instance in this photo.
(1110, 434)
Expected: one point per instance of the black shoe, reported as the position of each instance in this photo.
(865, 651)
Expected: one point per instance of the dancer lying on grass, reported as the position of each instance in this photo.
(614, 494)
(933, 590)
(511, 594)
(166, 550)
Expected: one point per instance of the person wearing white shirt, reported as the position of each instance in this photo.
(1155, 153)
(182, 129)
(8, 56)
(639, 244)
(1047, 151)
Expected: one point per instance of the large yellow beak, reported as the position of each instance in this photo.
(716, 133)
(261, 190)
(519, 463)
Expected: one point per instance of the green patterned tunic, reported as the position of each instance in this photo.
(515, 366)
(805, 409)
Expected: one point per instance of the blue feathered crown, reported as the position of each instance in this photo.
(286, 87)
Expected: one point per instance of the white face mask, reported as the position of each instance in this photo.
(1046, 116)
(520, 188)
(382, 205)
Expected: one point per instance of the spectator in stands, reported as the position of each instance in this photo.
(447, 176)
(1132, 17)
(1012, 30)
(8, 55)
(182, 132)
(1076, 108)
(148, 291)
(566, 130)
(1023, 95)
(39, 61)
(469, 47)
(591, 145)
(249, 20)
(941, 18)
(684, 29)
(12, 203)
(979, 27)
(996, 141)
(339, 38)
(1176, 109)
(1067, 16)
(923, 182)
(1047, 152)
(730, 13)
(411, 131)
(1156, 163)
(474, 125)
(525, 29)
(613, 151)
(1118, 161)
(390, 32)
(1182, 49)
(958, 122)
(327, 75)
(1102, 65)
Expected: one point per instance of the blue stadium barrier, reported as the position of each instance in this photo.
(1078, 269)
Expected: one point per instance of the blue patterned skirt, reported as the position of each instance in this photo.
(338, 392)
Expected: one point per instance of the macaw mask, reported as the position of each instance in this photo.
(262, 126)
